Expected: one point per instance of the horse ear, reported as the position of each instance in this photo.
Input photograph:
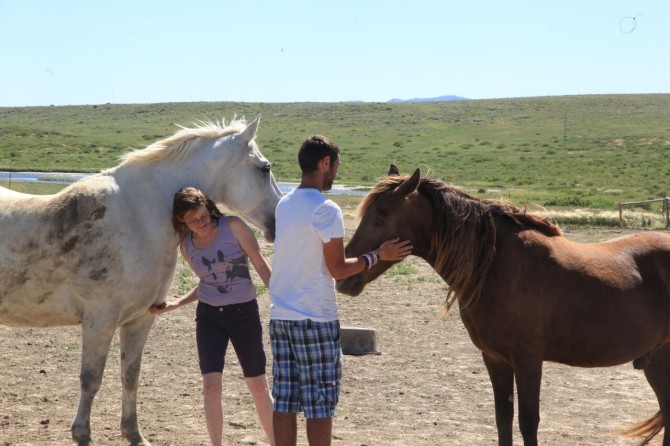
(249, 133)
(393, 170)
(410, 184)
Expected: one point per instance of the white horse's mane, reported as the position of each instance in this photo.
(184, 141)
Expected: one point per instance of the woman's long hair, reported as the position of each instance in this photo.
(188, 199)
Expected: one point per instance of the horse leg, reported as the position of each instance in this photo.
(528, 375)
(502, 380)
(97, 336)
(658, 374)
(133, 336)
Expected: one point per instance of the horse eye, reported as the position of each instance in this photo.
(266, 168)
(378, 223)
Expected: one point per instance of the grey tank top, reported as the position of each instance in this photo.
(222, 268)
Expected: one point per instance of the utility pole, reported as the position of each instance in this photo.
(565, 128)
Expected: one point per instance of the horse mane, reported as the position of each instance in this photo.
(184, 142)
(464, 239)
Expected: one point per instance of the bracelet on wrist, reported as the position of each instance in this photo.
(371, 258)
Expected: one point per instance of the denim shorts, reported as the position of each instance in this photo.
(307, 366)
(238, 323)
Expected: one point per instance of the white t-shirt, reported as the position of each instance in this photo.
(301, 287)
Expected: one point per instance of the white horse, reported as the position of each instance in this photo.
(102, 251)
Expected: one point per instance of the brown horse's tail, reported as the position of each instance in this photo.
(647, 429)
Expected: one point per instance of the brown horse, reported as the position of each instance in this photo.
(526, 294)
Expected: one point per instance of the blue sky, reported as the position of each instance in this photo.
(95, 52)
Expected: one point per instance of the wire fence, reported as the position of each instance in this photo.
(666, 209)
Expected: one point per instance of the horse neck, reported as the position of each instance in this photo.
(463, 246)
(146, 192)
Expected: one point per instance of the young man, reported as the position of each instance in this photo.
(304, 326)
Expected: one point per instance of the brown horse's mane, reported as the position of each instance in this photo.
(463, 243)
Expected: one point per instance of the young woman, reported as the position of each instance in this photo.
(217, 248)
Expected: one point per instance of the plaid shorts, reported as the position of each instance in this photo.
(307, 366)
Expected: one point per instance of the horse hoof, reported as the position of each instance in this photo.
(82, 440)
(138, 441)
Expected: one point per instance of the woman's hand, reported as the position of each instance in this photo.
(189, 297)
(164, 307)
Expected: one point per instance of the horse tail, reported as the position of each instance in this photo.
(648, 429)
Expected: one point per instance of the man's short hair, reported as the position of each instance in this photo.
(313, 150)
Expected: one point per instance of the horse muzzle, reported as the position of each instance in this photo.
(351, 286)
(269, 232)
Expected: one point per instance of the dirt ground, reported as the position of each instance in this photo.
(427, 387)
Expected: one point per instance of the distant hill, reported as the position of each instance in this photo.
(586, 151)
(437, 99)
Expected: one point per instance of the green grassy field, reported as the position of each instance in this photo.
(553, 152)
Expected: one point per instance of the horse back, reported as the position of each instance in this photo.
(643, 256)
(615, 261)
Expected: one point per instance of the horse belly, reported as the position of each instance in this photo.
(584, 325)
(37, 291)
(590, 356)
(602, 339)
(40, 307)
